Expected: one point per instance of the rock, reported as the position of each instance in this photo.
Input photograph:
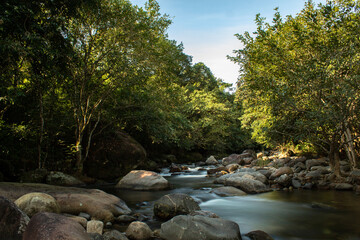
(258, 235)
(175, 168)
(13, 221)
(114, 235)
(138, 231)
(215, 170)
(62, 179)
(342, 186)
(125, 219)
(246, 184)
(85, 215)
(81, 220)
(174, 204)
(321, 169)
(233, 158)
(232, 167)
(100, 205)
(247, 170)
(113, 154)
(228, 191)
(45, 226)
(313, 175)
(266, 172)
(315, 162)
(33, 203)
(199, 228)
(300, 165)
(281, 171)
(204, 213)
(211, 161)
(284, 180)
(254, 175)
(355, 173)
(95, 226)
(142, 180)
(308, 186)
(296, 183)
(95, 236)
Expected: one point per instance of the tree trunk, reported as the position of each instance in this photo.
(41, 131)
(78, 152)
(350, 148)
(334, 158)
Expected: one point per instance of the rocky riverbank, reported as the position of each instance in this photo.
(256, 173)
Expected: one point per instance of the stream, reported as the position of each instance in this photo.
(299, 214)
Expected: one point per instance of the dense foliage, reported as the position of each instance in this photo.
(299, 83)
(70, 69)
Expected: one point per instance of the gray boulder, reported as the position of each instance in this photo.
(174, 204)
(211, 161)
(228, 191)
(33, 203)
(284, 180)
(248, 185)
(13, 221)
(114, 235)
(143, 181)
(199, 228)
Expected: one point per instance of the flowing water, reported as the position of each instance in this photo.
(300, 214)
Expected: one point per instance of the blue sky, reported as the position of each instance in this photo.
(207, 27)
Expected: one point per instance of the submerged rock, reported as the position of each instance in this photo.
(143, 180)
(174, 204)
(199, 228)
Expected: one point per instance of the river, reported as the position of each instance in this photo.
(295, 215)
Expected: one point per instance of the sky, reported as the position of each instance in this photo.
(207, 27)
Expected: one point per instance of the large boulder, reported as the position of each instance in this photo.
(252, 175)
(13, 221)
(199, 228)
(248, 185)
(228, 191)
(174, 204)
(113, 155)
(138, 231)
(143, 180)
(62, 179)
(100, 205)
(33, 203)
(45, 226)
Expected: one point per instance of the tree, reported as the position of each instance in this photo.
(299, 79)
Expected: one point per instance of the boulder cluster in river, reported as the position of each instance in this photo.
(256, 173)
(42, 211)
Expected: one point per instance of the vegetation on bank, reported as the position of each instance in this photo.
(71, 71)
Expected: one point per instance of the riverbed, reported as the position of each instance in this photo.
(298, 214)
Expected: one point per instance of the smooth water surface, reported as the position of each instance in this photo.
(300, 214)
